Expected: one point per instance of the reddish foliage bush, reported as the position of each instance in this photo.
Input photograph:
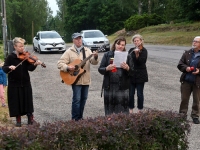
(157, 130)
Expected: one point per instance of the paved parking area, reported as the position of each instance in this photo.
(52, 99)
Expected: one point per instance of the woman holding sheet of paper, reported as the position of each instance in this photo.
(139, 75)
(115, 81)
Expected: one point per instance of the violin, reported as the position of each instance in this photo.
(30, 58)
(137, 48)
(140, 46)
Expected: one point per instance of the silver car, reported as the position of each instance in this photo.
(94, 39)
(48, 41)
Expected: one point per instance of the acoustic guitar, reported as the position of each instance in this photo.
(71, 77)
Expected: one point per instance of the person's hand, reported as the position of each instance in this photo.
(125, 66)
(70, 68)
(196, 72)
(38, 62)
(95, 54)
(110, 67)
(188, 69)
(12, 67)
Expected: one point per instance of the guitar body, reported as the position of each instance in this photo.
(71, 77)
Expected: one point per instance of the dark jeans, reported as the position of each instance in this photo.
(140, 95)
(186, 90)
(80, 94)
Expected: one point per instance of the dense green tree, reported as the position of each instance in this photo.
(60, 17)
(106, 15)
(24, 16)
(189, 10)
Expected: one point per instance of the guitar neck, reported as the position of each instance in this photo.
(84, 61)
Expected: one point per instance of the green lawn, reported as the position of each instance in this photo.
(176, 34)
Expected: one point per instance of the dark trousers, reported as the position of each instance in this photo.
(140, 96)
(80, 94)
(186, 90)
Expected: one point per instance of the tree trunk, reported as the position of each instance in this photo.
(139, 7)
(149, 6)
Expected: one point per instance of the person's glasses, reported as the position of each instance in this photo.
(196, 41)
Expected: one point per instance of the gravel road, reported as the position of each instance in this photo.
(52, 99)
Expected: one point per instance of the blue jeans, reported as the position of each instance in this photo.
(140, 95)
(80, 94)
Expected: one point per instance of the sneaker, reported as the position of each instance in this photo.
(195, 120)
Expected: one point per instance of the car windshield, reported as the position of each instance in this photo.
(50, 35)
(93, 34)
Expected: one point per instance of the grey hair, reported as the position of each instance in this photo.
(198, 37)
(18, 40)
(137, 36)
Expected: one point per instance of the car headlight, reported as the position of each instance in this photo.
(63, 43)
(106, 42)
(43, 44)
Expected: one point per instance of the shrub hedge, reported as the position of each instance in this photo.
(149, 130)
(140, 21)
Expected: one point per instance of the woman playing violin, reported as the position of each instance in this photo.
(19, 92)
(138, 75)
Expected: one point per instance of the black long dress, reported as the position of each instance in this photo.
(115, 87)
(19, 93)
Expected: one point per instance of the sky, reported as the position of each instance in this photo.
(53, 5)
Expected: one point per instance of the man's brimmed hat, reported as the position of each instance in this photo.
(75, 35)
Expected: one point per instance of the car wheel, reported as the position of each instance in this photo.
(39, 50)
(34, 48)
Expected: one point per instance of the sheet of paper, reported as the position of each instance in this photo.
(119, 58)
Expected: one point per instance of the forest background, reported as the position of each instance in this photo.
(26, 17)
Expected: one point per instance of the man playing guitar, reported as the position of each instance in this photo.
(75, 71)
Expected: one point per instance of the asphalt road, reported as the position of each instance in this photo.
(52, 99)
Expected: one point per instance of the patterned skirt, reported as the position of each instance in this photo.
(116, 100)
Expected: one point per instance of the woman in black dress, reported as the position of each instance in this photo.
(19, 92)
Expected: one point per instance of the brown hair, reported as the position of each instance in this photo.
(117, 41)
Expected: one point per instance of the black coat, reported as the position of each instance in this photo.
(20, 98)
(184, 62)
(20, 76)
(138, 73)
(123, 83)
